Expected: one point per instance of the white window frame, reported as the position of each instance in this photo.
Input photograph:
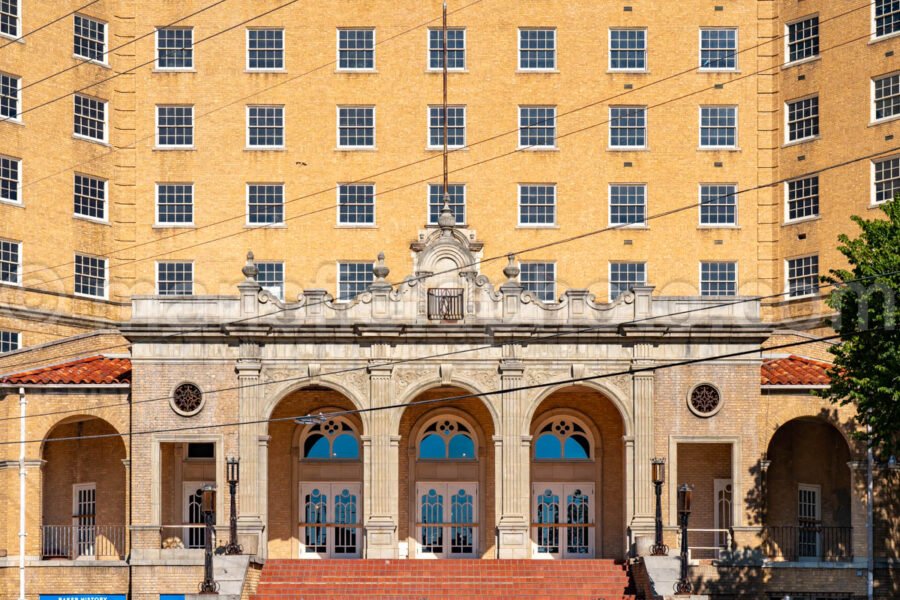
(18, 17)
(465, 126)
(787, 279)
(817, 490)
(190, 146)
(337, 267)
(277, 224)
(737, 278)
(519, 222)
(156, 221)
(623, 262)
(875, 36)
(700, 222)
(337, 51)
(281, 295)
(609, 136)
(872, 163)
(18, 281)
(787, 123)
(872, 118)
(283, 128)
(18, 337)
(19, 181)
(18, 117)
(80, 136)
(106, 203)
(105, 24)
(609, 50)
(737, 127)
(465, 50)
(787, 202)
(189, 69)
(535, 148)
(787, 41)
(554, 68)
(337, 128)
(737, 50)
(356, 225)
(554, 297)
(172, 262)
(247, 66)
(105, 295)
(644, 224)
(428, 203)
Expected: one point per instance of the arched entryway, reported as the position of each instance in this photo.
(315, 496)
(577, 476)
(446, 491)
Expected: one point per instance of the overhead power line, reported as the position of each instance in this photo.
(48, 24)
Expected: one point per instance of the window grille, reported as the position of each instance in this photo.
(445, 304)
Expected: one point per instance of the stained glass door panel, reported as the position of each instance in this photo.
(563, 525)
(446, 520)
(329, 520)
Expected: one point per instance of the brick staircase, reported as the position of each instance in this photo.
(434, 579)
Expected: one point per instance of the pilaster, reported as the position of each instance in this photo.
(513, 482)
(643, 521)
(859, 536)
(380, 466)
(250, 488)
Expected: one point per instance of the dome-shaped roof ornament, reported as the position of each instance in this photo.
(446, 220)
(250, 270)
(511, 270)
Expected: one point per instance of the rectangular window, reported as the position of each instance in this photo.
(270, 276)
(887, 179)
(628, 49)
(718, 204)
(718, 49)
(624, 275)
(9, 96)
(457, 195)
(887, 96)
(356, 204)
(10, 179)
(175, 203)
(90, 276)
(803, 198)
(265, 49)
(803, 119)
(537, 49)
(90, 197)
(803, 276)
(887, 17)
(718, 279)
(175, 126)
(90, 39)
(356, 127)
(628, 127)
(627, 204)
(718, 126)
(9, 17)
(537, 126)
(9, 341)
(10, 262)
(174, 48)
(539, 278)
(354, 278)
(456, 126)
(90, 118)
(265, 126)
(537, 204)
(265, 203)
(356, 49)
(803, 39)
(456, 49)
(174, 278)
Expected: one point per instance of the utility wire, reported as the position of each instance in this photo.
(48, 24)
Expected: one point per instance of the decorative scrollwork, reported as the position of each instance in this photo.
(187, 400)
(705, 400)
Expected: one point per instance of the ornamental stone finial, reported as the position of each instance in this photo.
(511, 270)
(380, 270)
(250, 269)
(446, 220)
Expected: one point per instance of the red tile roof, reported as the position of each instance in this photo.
(84, 371)
(795, 370)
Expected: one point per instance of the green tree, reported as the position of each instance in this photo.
(866, 371)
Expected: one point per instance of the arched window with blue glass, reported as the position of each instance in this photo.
(334, 439)
(447, 438)
(563, 438)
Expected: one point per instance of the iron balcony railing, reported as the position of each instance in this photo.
(445, 304)
(70, 542)
(808, 541)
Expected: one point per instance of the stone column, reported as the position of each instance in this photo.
(381, 465)
(514, 481)
(126, 462)
(643, 520)
(263, 505)
(250, 490)
(858, 537)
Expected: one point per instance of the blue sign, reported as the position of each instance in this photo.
(83, 597)
(171, 597)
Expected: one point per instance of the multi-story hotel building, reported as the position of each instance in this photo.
(642, 197)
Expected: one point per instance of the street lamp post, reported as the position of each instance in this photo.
(234, 476)
(684, 511)
(208, 505)
(659, 477)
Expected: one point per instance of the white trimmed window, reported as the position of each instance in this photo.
(718, 205)
(10, 179)
(9, 341)
(265, 126)
(628, 127)
(90, 276)
(537, 204)
(10, 262)
(175, 126)
(10, 96)
(265, 203)
(265, 49)
(456, 193)
(539, 278)
(456, 49)
(625, 275)
(356, 127)
(356, 204)
(174, 203)
(9, 18)
(174, 48)
(90, 118)
(90, 197)
(718, 279)
(886, 179)
(270, 276)
(537, 49)
(174, 278)
(886, 96)
(537, 127)
(887, 17)
(90, 39)
(802, 198)
(718, 126)
(627, 204)
(627, 49)
(802, 276)
(356, 49)
(802, 119)
(803, 39)
(354, 278)
(718, 49)
(456, 126)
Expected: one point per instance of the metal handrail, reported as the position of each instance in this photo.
(70, 542)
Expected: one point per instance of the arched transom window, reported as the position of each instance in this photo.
(447, 438)
(335, 439)
(563, 438)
